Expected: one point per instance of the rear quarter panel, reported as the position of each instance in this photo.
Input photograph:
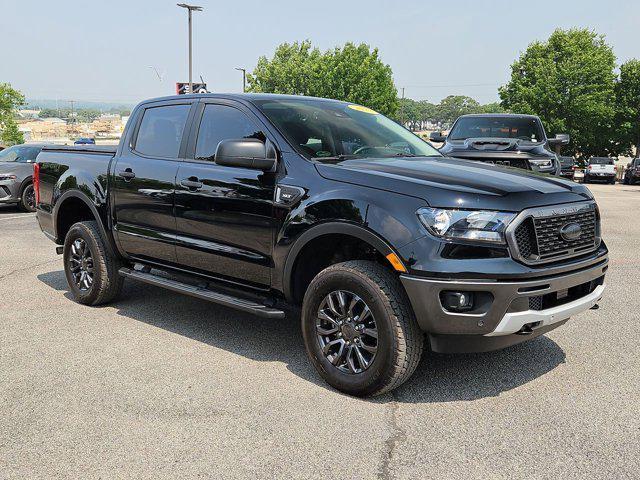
(64, 174)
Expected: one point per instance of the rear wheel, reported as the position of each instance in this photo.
(28, 199)
(359, 329)
(91, 271)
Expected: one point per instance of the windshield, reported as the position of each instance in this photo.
(325, 130)
(567, 161)
(524, 128)
(19, 154)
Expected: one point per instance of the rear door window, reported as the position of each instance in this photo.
(161, 129)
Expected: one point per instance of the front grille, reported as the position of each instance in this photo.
(538, 236)
(535, 303)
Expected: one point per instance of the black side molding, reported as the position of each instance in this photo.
(203, 293)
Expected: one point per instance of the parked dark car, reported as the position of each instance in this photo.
(503, 139)
(16, 171)
(567, 167)
(85, 141)
(259, 201)
(632, 173)
(601, 169)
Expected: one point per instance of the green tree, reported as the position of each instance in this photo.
(569, 82)
(495, 107)
(10, 100)
(353, 73)
(10, 133)
(628, 105)
(87, 115)
(452, 107)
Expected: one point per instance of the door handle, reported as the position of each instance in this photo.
(127, 174)
(192, 183)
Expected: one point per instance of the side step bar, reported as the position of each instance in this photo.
(203, 293)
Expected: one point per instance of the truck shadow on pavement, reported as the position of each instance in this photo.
(438, 378)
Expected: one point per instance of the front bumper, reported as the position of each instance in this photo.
(504, 314)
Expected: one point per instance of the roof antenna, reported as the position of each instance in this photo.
(204, 83)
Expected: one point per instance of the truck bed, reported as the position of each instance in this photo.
(104, 149)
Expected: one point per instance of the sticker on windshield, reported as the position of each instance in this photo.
(360, 108)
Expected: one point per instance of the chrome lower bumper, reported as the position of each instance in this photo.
(514, 322)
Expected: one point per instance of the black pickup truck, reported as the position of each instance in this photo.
(266, 202)
(507, 139)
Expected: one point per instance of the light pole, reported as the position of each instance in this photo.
(190, 8)
(244, 78)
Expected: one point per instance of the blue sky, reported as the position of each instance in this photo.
(101, 51)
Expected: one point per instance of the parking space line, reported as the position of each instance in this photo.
(26, 215)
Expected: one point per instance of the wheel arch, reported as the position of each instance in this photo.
(83, 209)
(325, 230)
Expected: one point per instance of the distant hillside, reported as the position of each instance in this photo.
(33, 103)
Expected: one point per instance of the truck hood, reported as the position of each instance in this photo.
(16, 168)
(446, 182)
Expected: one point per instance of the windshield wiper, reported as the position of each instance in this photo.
(338, 157)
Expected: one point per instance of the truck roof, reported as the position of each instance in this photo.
(499, 115)
(240, 96)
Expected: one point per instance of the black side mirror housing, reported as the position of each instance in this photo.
(246, 153)
(560, 139)
(437, 137)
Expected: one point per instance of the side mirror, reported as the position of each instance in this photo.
(560, 139)
(437, 137)
(245, 153)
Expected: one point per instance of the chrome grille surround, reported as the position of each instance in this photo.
(534, 235)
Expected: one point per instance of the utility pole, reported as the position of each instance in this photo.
(244, 78)
(190, 8)
(73, 129)
(402, 109)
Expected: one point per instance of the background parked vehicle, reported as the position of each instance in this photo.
(16, 172)
(503, 139)
(567, 167)
(85, 141)
(632, 172)
(601, 169)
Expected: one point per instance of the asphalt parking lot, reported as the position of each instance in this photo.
(160, 385)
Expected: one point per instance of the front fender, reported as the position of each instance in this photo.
(385, 220)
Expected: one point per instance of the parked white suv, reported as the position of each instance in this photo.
(602, 169)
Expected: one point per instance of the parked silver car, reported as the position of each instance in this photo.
(16, 170)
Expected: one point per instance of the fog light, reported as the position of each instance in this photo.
(457, 301)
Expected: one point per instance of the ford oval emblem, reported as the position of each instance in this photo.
(571, 231)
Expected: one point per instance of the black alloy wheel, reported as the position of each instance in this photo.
(81, 265)
(347, 331)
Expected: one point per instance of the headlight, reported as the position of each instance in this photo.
(541, 163)
(467, 225)
(7, 177)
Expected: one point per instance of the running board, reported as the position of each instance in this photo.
(203, 293)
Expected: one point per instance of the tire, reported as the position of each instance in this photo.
(399, 341)
(625, 180)
(94, 258)
(27, 199)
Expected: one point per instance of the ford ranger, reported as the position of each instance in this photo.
(259, 202)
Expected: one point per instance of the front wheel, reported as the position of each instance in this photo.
(359, 330)
(91, 271)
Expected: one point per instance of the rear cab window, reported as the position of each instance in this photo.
(161, 129)
(601, 161)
